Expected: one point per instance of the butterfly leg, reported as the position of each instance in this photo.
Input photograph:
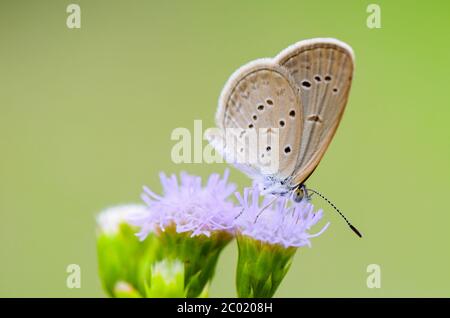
(240, 213)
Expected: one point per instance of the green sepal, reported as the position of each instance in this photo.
(123, 258)
(261, 267)
(166, 280)
(199, 255)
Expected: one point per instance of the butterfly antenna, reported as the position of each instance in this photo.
(354, 229)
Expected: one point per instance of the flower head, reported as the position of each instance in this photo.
(277, 220)
(270, 229)
(109, 220)
(188, 205)
(122, 258)
(166, 279)
(192, 223)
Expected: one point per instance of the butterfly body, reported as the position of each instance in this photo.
(293, 103)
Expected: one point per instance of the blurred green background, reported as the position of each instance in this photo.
(86, 116)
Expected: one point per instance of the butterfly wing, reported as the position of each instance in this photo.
(262, 97)
(323, 71)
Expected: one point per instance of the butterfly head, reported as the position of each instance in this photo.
(300, 193)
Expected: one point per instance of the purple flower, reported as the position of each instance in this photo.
(189, 206)
(277, 220)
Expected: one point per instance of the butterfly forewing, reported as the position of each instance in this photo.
(322, 69)
(262, 99)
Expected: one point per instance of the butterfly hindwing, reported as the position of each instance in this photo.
(323, 71)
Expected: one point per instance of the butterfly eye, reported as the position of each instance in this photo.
(269, 101)
(327, 78)
(298, 195)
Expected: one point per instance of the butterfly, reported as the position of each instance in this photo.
(296, 101)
